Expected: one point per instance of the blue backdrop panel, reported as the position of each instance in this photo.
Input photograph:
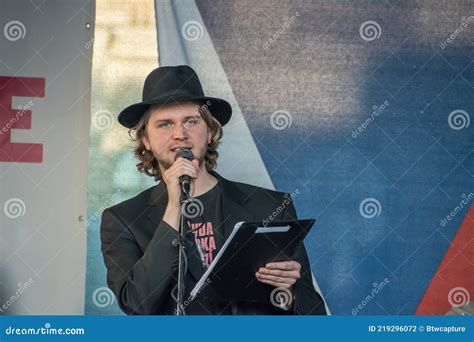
(365, 116)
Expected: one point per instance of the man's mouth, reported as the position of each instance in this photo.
(175, 149)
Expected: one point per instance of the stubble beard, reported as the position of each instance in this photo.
(165, 164)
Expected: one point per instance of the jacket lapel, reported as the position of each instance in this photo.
(157, 204)
(233, 200)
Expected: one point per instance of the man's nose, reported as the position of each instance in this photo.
(179, 132)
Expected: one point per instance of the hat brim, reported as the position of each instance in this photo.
(220, 109)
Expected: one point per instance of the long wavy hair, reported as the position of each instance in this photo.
(149, 165)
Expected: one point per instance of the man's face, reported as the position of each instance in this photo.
(176, 126)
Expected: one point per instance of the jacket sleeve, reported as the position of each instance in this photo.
(307, 300)
(139, 279)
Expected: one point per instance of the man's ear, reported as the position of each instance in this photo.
(146, 142)
(209, 136)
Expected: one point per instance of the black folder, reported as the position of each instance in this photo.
(251, 245)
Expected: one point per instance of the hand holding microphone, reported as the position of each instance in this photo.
(179, 176)
(185, 180)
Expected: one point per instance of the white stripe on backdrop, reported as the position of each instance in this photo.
(183, 39)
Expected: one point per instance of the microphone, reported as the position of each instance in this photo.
(185, 180)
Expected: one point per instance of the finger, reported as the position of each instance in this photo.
(185, 162)
(291, 265)
(282, 265)
(187, 170)
(282, 280)
(273, 283)
(285, 274)
(276, 272)
(195, 162)
(174, 178)
(297, 265)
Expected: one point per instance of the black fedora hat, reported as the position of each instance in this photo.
(173, 84)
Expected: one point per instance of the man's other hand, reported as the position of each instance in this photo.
(280, 274)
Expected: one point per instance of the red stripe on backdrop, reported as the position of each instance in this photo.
(453, 282)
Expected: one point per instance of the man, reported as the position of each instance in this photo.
(139, 235)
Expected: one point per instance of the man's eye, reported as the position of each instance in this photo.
(165, 125)
(191, 121)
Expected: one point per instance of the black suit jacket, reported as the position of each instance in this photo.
(141, 260)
